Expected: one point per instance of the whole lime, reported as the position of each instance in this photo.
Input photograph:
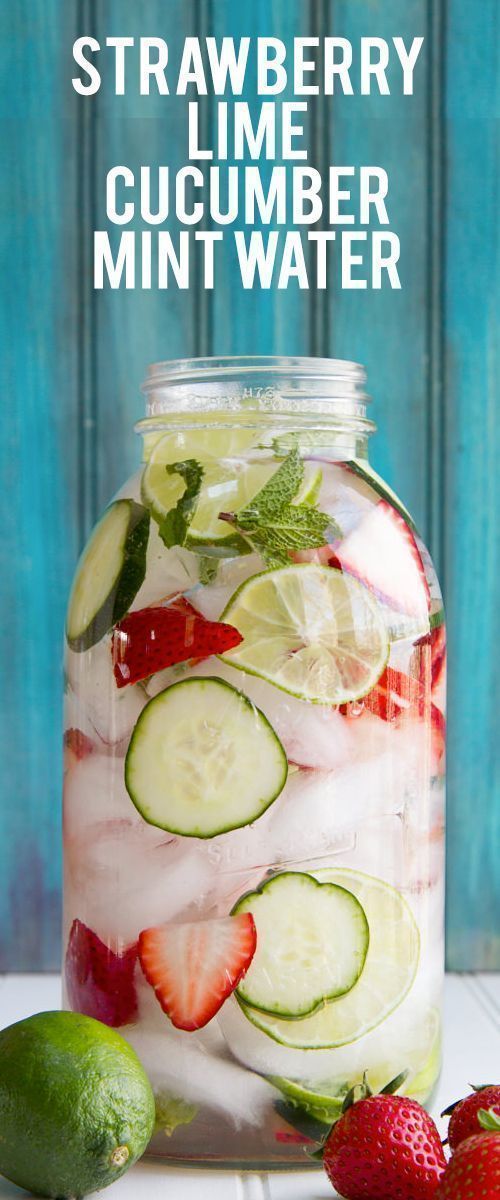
(76, 1107)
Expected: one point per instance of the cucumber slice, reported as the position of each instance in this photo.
(109, 575)
(203, 760)
(388, 974)
(312, 941)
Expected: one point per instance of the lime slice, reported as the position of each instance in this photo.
(222, 441)
(229, 481)
(318, 1104)
(311, 631)
(425, 1064)
(389, 970)
(310, 487)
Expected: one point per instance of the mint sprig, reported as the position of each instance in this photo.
(273, 525)
(173, 529)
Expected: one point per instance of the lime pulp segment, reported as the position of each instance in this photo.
(310, 630)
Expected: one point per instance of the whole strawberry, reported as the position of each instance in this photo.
(384, 1147)
(474, 1170)
(464, 1121)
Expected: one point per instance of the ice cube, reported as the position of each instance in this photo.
(196, 1067)
(405, 1035)
(124, 875)
(111, 711)
(313, 735)
(169, 572)
(344, 495)
(211, 599)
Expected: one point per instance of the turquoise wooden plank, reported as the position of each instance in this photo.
(258, 321)
(129, 329)
(470, 467)
(387, 330)
(38, 450)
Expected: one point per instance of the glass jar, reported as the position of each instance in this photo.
(254, 764)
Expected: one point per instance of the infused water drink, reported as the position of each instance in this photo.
(254, 764)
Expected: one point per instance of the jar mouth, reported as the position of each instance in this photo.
(333, 369)
(252, 387)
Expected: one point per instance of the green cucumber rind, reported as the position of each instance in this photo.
(202, 836)
(436, 619)
(285, 1014)
(127, 583)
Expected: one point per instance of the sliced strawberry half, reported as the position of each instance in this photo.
(383, 554)
(99, 982)
(154, 638)
(194, 967)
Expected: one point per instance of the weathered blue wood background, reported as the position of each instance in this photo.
(71, 361)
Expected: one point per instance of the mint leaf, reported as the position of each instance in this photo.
(279, 490)
(273, 525)
(295, 527)
(208, 567)
(174, 527)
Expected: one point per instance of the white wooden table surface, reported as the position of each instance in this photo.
(471, 1055)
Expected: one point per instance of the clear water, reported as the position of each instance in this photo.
(366, 794)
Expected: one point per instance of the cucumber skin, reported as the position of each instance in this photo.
(286, 1016)
(129, 580)
(220, 828)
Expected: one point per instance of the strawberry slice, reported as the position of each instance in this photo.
(99, 982)
(194, 967)
(438, 740)
(394, 694)
(77, 745)
(153, 638)
(438, 655)
(383, 554)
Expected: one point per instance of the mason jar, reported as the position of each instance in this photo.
(254, 763)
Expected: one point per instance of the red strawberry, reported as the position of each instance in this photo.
(430, 657)
(464, 1114)
(383, 554)
(394, 694)
(438, 740)
(438, 651)
(384, 1148)
(153, 638)
(473, 1172)
(99, 982)
(325, 555)
(76, 746)
(193, 968)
